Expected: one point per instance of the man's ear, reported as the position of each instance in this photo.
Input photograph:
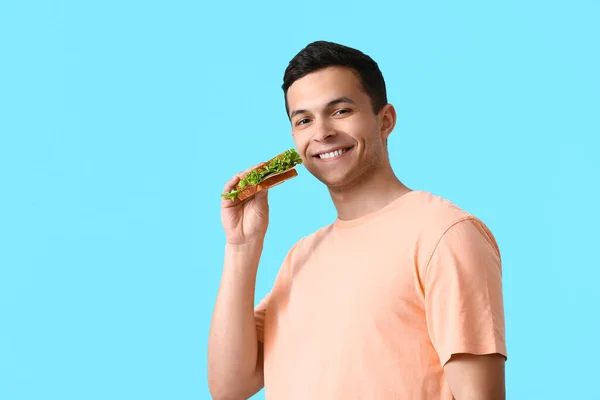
(387, 120)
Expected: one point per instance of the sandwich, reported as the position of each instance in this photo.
(268, 174)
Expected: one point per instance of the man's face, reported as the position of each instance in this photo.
(335, 130)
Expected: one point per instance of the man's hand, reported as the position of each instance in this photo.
(247, 221)
(474, 377)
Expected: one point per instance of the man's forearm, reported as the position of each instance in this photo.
(473, 377)
(233, 347)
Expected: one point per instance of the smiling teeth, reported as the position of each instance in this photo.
(333, 153)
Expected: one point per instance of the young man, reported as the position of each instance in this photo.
(399, 298)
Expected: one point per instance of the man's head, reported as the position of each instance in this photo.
(336, 98)
(321, 54)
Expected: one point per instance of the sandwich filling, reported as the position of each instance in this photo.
(278, 165)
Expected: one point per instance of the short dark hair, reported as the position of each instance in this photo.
(322, 54)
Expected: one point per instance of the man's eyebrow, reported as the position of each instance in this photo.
(296, 112)
(333, 102)
(342, 99)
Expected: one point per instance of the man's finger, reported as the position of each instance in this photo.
(230, 185)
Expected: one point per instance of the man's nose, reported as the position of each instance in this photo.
(324, 131)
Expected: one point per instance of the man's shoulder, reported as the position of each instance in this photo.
(434, 219)
(423, 210)
(438, 211)
(440, 215)
(430, 216)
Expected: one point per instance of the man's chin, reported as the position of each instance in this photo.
(339, 181)
(336, 183)
(334, 180)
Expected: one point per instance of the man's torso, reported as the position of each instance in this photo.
(346, 316)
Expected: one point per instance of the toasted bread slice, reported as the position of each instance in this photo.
(269, 182)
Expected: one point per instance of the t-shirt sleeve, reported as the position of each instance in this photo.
(259, 317)
(463, 292)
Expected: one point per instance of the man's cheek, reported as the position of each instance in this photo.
(301, 147)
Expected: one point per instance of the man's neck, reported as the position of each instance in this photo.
(368, 195)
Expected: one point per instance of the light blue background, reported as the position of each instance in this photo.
(121, 121)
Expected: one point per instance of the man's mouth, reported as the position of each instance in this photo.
(333, 153)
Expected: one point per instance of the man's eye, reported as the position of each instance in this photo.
(300, 122)
(343, 111)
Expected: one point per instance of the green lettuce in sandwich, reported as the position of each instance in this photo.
(268, 174)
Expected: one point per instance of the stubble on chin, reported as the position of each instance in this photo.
(360, 174)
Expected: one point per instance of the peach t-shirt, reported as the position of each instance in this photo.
(373, 308)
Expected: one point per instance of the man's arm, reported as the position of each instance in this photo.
(465, 311)
(235, 357)
(476, 377)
